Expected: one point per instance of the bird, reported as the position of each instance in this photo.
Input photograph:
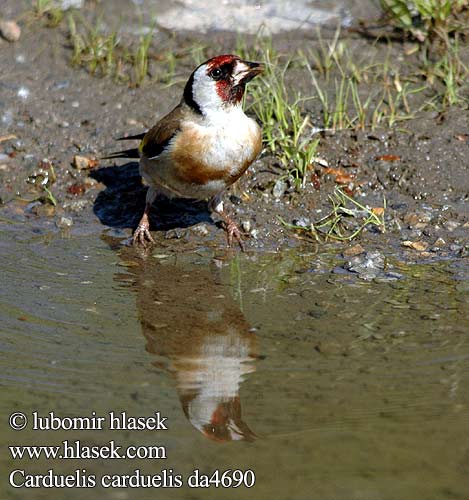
(203, 145)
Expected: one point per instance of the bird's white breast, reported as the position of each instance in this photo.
(230, 138)
(206, 155)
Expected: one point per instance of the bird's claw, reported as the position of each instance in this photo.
(142, 235)
(233, 231)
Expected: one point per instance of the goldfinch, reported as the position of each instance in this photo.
(203, 145)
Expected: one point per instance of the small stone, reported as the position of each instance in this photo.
(83, 163)
(451, 225)
(61, 85)
(200, 229)
(23, 93)
(236, 200)
(7, 118)
(302, 222)
(279, 189)
(440, 242)
(64, 222)
(10, 31)
(355, 250)
(417, 220)
(175, 234)
(246, 226)
(254, 234)
(420, 246)
(43, 210)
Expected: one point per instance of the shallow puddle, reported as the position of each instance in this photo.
(324, 385)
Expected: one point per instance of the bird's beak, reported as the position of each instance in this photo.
(245, 71)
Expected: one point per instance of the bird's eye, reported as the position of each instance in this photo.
(216, 73)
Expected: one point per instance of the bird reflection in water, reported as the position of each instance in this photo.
(203, 339)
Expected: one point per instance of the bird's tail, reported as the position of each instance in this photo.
(126, 153)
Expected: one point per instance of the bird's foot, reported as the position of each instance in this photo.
(142, 235)
(233, 231)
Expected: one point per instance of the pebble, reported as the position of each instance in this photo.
(254, 234)
(440, 242)
(417, 220)
(368, 266)
(451, 225)
(372, 266)
(420, 246)
(23, 93)
(354, 250)
(302, 222)
(246, 226)
(83, 163)
(279, 189)
(7, 118)
(63, 84)
(64, 222)
(200, 229)
(43, 210)
(10, 30)
(175, 234)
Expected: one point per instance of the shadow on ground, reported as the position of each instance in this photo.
(121, 204)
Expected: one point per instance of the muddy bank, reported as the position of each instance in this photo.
(51, 111)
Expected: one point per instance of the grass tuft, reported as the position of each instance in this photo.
(427, 20)
(104, 54)
(288, 131)
(49, 11)
(345, 221)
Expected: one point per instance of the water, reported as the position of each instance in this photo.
(326, 386)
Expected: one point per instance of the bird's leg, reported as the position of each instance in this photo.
(231, 228)
(142, 233)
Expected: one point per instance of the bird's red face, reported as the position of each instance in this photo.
(220, 81)
(231, 75)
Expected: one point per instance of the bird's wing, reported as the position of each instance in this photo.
(153, 142)
(158, 137)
